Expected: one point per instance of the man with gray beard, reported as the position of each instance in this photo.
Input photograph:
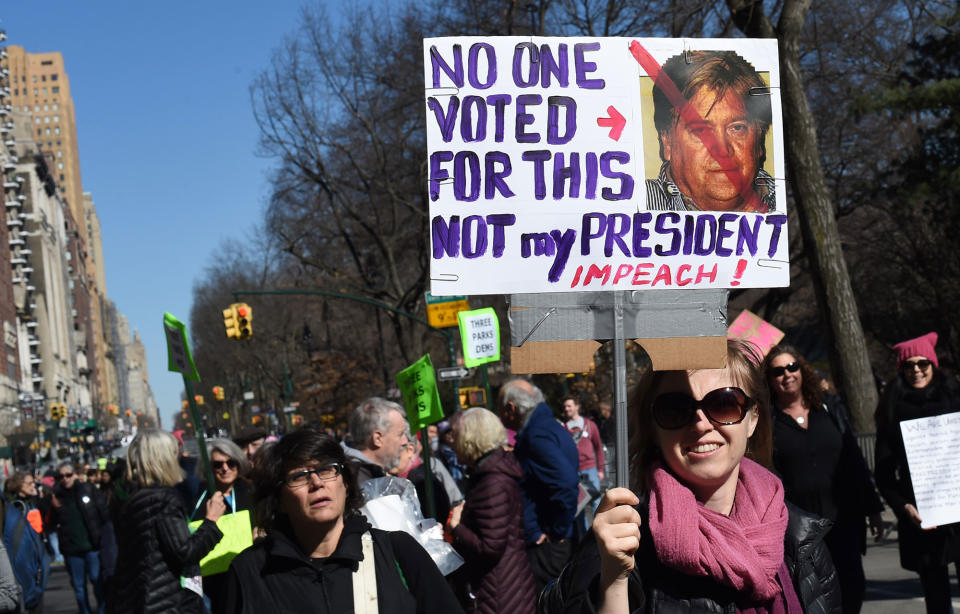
(378, 434)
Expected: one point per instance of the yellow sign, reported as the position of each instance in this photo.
(443, 315)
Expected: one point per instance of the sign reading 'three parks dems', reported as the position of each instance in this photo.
(582, 164)
(479, 336)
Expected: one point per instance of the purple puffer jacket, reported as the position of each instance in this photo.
(490, 538)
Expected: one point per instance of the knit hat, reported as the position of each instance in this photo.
(921, 346)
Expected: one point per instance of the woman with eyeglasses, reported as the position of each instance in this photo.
(320, 555)
(709, 531)
(822, 468)
(921, 390)
(158, 558)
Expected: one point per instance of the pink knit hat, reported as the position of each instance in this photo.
(921, 346)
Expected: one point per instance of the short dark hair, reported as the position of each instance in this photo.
(570, 397)
(720, 71)
(304, 445)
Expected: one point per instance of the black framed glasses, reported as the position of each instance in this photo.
(923, 364)
(792, 367)
(324, 474)
(64, 476)
(229, 463)
(724, 406)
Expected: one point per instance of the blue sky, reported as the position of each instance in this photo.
(166, 136)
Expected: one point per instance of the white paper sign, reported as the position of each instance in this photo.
(934, 460)
(549, 170)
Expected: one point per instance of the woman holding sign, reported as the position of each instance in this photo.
(157, 563)
(920, 391)
(823, 471)
(228, 463)
(710, 531)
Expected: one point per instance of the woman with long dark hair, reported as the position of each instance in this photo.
(921, 390)
(713, 533)
(821, 465)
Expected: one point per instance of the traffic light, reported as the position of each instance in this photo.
(114, 410)
(198, 398)
(218, 393)
(230, 322)
(473, 396)
(186, 404)
(244, 320)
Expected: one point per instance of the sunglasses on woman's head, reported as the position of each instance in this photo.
(792, 367)
(724, 406)
(922, 364)
(229, 463)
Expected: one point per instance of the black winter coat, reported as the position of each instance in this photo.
(93, 510)
(155, 549)
(490, 539)
(653, 587)
(918, 548)
(275, 576)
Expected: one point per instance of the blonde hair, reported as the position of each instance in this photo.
(152, 459)
(743, 363)
(476, 432)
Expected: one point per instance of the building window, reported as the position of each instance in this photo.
(14, 78)
(56, 89)
(60, 167)
(44, 91)
(56, 130)
(61, 177)
(35, 92)
(46, 107)
(43, 77)
(59, 153)
(34, 78)
(53, 77)
(36, 107)
(55, 106)
(46, 119)
(39, 131)
(38, 120)
(16, 92)
(47, 132)
(56, 118)
(46, 63)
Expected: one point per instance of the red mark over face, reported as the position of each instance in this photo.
(713, 148)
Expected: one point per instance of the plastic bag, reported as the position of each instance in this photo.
(392, 505)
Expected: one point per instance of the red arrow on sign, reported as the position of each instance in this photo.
(615, 122)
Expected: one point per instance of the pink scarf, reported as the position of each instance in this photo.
(743, 551)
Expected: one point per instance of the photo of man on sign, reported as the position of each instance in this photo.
(711, 112)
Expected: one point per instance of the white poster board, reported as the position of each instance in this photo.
(548, 169)
(934, 460)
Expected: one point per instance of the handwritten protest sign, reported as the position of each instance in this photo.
(752, 328)
(418, 384)
(582, 164)
(934, 461)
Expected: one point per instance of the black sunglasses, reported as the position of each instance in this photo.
(725, 406)
(229, 463)
(65, 475)
(922, 364)
(792, 367)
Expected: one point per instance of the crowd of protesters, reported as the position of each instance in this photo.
(748, 493)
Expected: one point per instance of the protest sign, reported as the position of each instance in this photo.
(479, 336)
(752, 328)
(934, 461)
(587, 164)
(421, 399)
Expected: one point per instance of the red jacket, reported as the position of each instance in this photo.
(589, 445)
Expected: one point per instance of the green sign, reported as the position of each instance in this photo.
(420, 397)
(480, 336)
(178, 352)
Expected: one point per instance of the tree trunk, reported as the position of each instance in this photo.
(849, 360)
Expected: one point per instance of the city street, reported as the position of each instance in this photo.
(890, 589)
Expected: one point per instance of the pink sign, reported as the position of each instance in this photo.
(750, 327)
